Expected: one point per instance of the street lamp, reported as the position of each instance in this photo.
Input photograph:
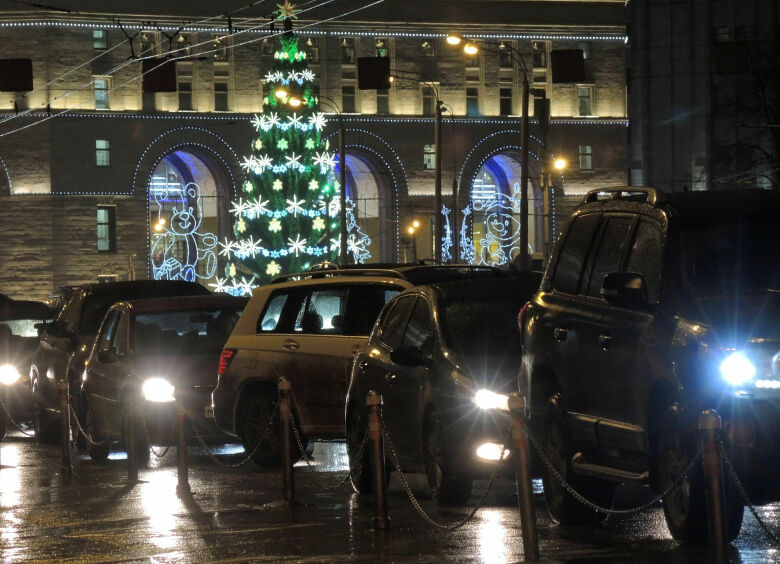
(413, 232)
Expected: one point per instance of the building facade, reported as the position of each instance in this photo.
(86, 156)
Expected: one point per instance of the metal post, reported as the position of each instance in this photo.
(131, 447)
(522, 462)
(709, 432)
(437, 222)
(288, 485)
(524, 179)
(67, 461)
(182, 463)
(374, 404)
(343, 192)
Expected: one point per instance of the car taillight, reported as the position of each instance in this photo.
(521, 317)
(224, 360)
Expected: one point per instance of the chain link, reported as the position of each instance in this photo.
(149, 442)
(87, 436)
(743, 494)
(416, 504)
(14, 423)
(305, 455)
(595, 507)
(248, 457)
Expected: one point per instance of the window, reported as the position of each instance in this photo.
(183, 44)
(323, 311)
(107, 335)
(429, 157)
(419, 331)
(101, 87)
(220, 97)
(539, 54)
(220, 48)
(99, 39)
(348, 51)
(505, 55)
(106, 229)
(382, 45)
(584, 46)
(102, 152)
(147, 44)
(364, 302)
(184, 85)
(312, 49)
(267, 47)
(505, 101)
(428, 100)
(273, 311)
(611, 248)
(575, 249)
(383, 101)
(348, 98)
(722, 34)
(645, 257)
(586, 157)
(395, 324)
(472, 101)
(585, 100)
(428, 47)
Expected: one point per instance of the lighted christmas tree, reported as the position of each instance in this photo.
(289, 205)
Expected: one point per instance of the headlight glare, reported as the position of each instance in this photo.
(736, 369)
(486, 399)
(9, 375)
(158, 390)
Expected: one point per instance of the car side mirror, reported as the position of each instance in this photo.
(409, 356)
(107, 356)
(625, 289)
(57, 329)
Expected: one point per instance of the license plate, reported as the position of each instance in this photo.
(208, 412)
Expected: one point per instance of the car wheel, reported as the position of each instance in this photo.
(95, 428)
(685, 507)
(446, 487)
(561, 505)
(141, 443)
(46, 430)
(359, 469)
(255, 411)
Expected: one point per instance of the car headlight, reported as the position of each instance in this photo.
(9, 375)
(737, 369)
(486, 399)
(158, 390)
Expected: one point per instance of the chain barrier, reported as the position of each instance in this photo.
(248, 457)
(593, 506)
(305, 456)
(87, 436)
(416, 504)
(743, 493)
(149, 442)
(14, 423)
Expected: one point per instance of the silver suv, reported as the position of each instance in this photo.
(308, 328)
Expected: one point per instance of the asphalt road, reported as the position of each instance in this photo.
(237, 515)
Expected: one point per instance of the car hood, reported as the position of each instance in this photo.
(734, 320)
(195, 371)
(495, 373)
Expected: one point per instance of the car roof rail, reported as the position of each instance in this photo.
(646, 194)
(333, 272)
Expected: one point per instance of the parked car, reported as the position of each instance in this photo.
(158, 349)
(66, 341)
(307, 327)
(18, 341)
(444, 358)
(653, 308)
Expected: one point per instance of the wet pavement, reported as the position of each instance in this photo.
(237, 515)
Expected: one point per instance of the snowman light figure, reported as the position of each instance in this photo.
(183, 227)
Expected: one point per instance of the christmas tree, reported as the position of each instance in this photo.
(288, 207)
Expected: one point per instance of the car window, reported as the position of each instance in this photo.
(192, 331)
(107, 335)
(419, 331)
(120, 335)
(644, 257)
(364, 302)
(485, 325)
(321, 309)
(610, 251)
(395, 324)
(575, 249)
(273, 311)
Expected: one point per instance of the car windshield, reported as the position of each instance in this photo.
(485, 326)
(19, 327)
(731, 259)
(195, 331)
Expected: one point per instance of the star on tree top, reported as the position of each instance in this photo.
(287, 10)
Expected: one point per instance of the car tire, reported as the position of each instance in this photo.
(563, 507)
(142, 445)
(359, 470)
(685, 507)
(96, 452)
(255, 410)
(46, 430)
(446, 487)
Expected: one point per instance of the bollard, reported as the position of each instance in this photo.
(374, 404)
(288, 485)
(130, 446)
(67, 461)
(709, 432)
(182, 463)
(522, 463)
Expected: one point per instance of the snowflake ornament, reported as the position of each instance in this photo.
(295, 206)
(274, 226)
(318, 224)
(273, 268)
(278, 185)
(314, 185)
(310, 143)
(296, 246)
(282, 144)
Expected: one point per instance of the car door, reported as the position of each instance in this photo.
(106, 371)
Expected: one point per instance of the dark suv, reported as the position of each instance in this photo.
(653, 308)
(66, 341)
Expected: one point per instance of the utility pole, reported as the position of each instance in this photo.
(437, 222)
(524, 259)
